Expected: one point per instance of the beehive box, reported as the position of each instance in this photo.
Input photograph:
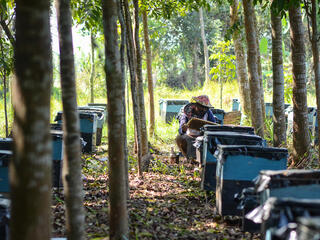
(170, 108)
(237, 166)
(210, 143)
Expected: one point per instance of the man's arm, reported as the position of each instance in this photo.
(182, 124)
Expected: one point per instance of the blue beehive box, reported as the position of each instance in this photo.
(210, 143)
(248, 200)
(6, 144)
(57, 157)
(269, 110)
(237, 166)
(101, 106)
(219, 113)
(88, 129)
(100, 120)
(5, 157)
(288, 183)
(170, 108)
(279, 214)
(235, 104)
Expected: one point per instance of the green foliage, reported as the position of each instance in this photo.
(88, 15)
(167, 9)
(224, 59)
(264, 45)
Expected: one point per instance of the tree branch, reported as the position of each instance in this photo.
(7, 32)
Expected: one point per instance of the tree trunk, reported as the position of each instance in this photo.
(30, 168)
(205, 48)
(315, 54)
(279, 120)
(263, 107)
(72, 177)
(144, 134)
(301, 139)
(195, 64)
(132, 67)
(4, 76)
(116, 122)
(241, 64)
(255, 87)
(149, 71)
(5, 101)
(93, 69)
(123, 78)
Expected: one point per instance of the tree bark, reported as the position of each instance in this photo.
(255, 87)
(149, 71)
(241, 66)
(195, 64)
(279, 120)
(132, 67)
(93, 70)
(4, 76)
(301, 139)
(117, 152)
(30, 168)
(205, 48)
(263, 107)
(72, 177)
(315, 54)
(123, 78)
(144, 134)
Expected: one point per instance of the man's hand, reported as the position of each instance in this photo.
(184, 127)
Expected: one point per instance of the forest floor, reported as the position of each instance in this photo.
(166, 204)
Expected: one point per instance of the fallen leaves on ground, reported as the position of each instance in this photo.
(166, 204)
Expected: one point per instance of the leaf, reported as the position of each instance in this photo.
(264, 45)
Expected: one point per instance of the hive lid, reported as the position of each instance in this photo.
(231, 128)
(271, 153)
(283, 178)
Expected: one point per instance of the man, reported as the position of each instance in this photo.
(197, 108)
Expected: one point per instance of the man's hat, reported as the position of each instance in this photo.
(202, 100)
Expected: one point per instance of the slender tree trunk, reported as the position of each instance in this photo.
(242, 76)
(279, 120)
(116, 112)
(72, 178)
(149, 71)
(5, 101)
(30, 170)
(263, 107)
(195, 64)
(132, 67)
(255, 87)
(205, 48)
(123, 78)
(144, 134)
(4, 76)
(315, 54)
(93, 69)
(301, 139)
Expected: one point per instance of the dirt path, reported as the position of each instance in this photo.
(166, 204)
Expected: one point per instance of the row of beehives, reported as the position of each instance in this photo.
(312, 117)
(232, 157)
(170, 108)
(92, 119)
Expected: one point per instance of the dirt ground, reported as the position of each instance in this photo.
(166, 204)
